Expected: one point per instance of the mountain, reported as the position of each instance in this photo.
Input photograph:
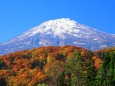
(59, 32)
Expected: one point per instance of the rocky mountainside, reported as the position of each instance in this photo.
(59, 32)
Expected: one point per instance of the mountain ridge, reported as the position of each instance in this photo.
(63, 32)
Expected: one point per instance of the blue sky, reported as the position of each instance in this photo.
(17, 16)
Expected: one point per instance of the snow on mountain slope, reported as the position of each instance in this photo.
(59, 32)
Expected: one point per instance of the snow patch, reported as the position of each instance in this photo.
(103, 46)
(40, 42)
(95, 39)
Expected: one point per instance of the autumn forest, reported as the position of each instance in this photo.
(58, 66)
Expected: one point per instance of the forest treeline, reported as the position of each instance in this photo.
(58, 66)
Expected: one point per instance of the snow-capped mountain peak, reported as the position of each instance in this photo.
(59, 32)
(59, 27)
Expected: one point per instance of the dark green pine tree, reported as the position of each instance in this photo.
(106, 74)
(111, 73)
(91, 72)
(102, 76)
(79, 71)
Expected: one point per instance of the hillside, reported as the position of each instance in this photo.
(55, 66)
